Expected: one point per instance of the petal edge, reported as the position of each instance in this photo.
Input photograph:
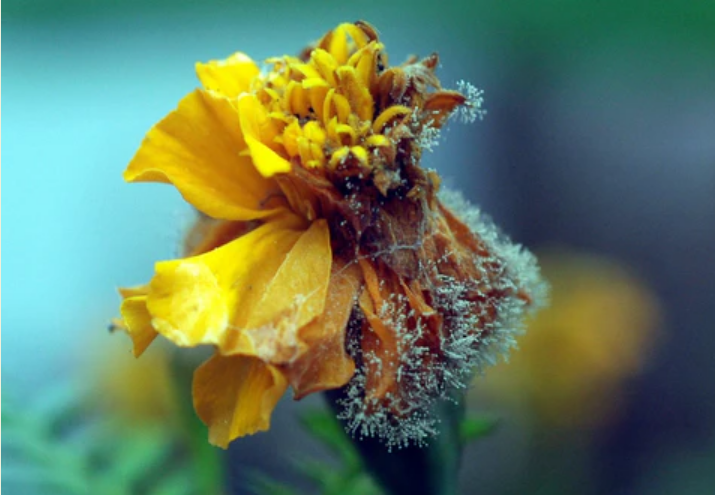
(197, 147)
(235, 396)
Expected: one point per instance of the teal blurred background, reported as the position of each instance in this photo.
(600, 137)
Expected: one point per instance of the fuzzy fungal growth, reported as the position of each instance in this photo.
(326, 257)
(465, 313)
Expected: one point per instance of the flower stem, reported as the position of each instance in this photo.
(428, 470)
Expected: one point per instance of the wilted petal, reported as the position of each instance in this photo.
(379, 338)
(235, 396)
(194, 300)
(326, 365)
(137, 323)
(294, 297)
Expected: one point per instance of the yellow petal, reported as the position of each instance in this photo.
(365, 62)
(137, 323)
(357, 33)
(290, 138)
(318, 90)
(196, 147)
(339, 156)
(378, 141)
(235, 396)
(195, 300)
(294, 297)
(267, 161)
(339, 45)
(260, 131)
(346, 134)
(138, 290)
(304, 150)
(230, 77)
(208, 234)
(357, 92)
(325, 65)
(295, 100)
(361, 155)
(306, 70)
(336, 105)
(315, 132)
(326, 365)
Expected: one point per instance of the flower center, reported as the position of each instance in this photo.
(339, 109)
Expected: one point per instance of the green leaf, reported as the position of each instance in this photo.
(43, 479)
(362, 484)
(346, 476)
(475, 427)
(263, 485)
(325, 427)
(179, 482)
(137, 456)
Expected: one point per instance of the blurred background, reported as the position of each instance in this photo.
(598, 153)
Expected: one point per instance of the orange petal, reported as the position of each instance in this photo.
(230, 77)
(235, 396)
(379, 338)
(326, 365)
(137, 323)
(197, 148)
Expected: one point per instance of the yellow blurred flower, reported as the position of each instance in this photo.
(325, 256)
(133, 391)
(598, 331)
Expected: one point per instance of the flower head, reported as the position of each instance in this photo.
(325, 257)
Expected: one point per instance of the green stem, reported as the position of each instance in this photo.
(429, 470)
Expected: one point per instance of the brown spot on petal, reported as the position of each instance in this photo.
(326, 365)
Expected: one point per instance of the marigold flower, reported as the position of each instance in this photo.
(325, 257)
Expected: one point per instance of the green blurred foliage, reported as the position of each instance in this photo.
(349, 475)
(546, 19)
(60, 444)
(474, 427)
